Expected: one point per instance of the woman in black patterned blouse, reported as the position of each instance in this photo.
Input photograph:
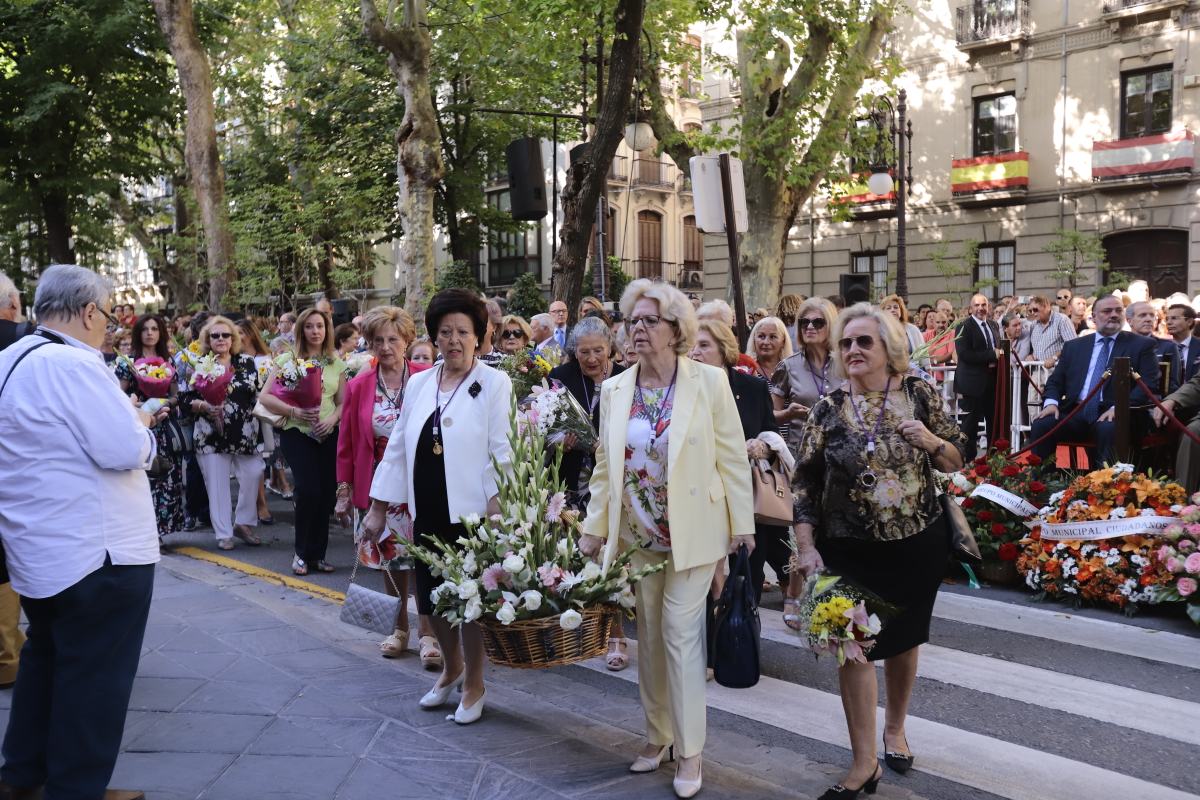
(864, 480)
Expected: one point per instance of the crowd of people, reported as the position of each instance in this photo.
(404, 435)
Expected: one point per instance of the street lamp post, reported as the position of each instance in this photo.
(899, 133)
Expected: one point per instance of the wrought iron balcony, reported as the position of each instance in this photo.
(988, 22)
(1115, 10)
(650, 172)
(619, 169)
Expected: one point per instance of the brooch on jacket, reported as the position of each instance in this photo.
(474, 389)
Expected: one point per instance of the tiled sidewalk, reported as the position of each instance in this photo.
(249, 690)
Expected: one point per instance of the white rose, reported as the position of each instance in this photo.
(506, 614)
(590, 571)
(474, 610)
(570, 620)
(468, 590)
(469, 564)
(513, 563)
(531, 600)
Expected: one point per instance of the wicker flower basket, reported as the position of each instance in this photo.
(542, 643)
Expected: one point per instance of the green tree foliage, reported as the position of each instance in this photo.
(457, 275)
(526, 298)
(85, 93)
(1076, 254)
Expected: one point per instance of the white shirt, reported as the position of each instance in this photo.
(986, 330)
(1050, 401)
(73, 454)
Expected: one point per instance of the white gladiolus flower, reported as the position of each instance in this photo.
(570, 620)
(507, 614)
(468, 590)
(531, 600)
(474, 610)
(513, 563)
(470, 520)
(627, 599)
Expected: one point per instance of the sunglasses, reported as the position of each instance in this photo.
(1064, 297)
(863, 342)
(219, 335)
(512, 335)
(816, 323)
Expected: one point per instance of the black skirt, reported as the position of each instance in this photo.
(433, 511)
(904, 572)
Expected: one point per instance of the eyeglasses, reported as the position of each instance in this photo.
(558, 311)
(220, 335)
(816, 323)
(512, 335)
(863, 342)
(649, 321)
(111, 319)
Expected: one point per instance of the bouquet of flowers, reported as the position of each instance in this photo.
(1177, 561)
(357, 362)
(840, 619)
(526, 369)
(211, 380)
(297, 380)
(555, 413)
(154, 376)
(998, 493)
(1096, 540)
(523, 565)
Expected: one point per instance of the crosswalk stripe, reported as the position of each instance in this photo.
(1129, 708)
(954, 754)
(1060, 626)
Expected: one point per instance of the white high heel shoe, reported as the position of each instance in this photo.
(651, 763)
(464, 715)
(687, 788)
(438, 695)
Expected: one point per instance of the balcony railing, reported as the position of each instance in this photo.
(683, 184)
(1127, 159)
(1117, 6)
(991, 21)
(654, 173)
(655, 270)
(619, 169)
(999, 173)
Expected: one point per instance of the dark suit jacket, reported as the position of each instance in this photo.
(976, 372)
(11, 331)
(1168, 350)
(1071, 373)
(753, 403)
(582, 388)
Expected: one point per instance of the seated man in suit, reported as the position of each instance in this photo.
(1185, 357)
(1183, 403)
(1080, 367)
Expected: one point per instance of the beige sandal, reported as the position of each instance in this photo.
(617, 659)
(792, 618)
(431, 654)
(395, 645)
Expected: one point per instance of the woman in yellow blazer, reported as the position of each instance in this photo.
(671, 475)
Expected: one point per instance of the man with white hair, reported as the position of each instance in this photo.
(10, 309)
(81, 547)
(543, 342)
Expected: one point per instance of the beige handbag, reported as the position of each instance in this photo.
(772, 492)
(261, 412)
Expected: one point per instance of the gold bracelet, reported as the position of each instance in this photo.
(344, 485)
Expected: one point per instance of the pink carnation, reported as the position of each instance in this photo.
(493, 576)
(1186, 586)
(1192, 564)
(549, 574)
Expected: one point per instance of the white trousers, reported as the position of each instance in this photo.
(671, 653)
(216, 468)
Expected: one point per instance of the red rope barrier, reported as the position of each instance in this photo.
(1154, 399)
(1063, 420)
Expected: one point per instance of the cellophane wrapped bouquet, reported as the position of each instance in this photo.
(154, 376)
(841, 619)
(211, 379)
(556, 414)
(526, 369)
(297, 380)
(524, 563)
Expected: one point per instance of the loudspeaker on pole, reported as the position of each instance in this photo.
(526, 179)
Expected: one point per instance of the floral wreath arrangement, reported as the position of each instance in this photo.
(1097, 540)
(526, 369)
(1178, 561)
(521, 575)
(840, 619)
(998, 493)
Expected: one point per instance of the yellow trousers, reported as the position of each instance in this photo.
(672, 653)
(11, 637)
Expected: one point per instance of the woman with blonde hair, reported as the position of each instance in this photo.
(227, 437)
(672, 422)
(309, 440)
(514, 334)
(894, 305)
(864, 479)
(769, 345)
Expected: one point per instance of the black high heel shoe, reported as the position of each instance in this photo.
(897, 762)
(839, 792)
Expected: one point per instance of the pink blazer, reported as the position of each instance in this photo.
(356, 436)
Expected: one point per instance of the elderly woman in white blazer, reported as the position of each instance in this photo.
(453, 422)
(671, 475)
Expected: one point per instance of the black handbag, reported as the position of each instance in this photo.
(735, 632)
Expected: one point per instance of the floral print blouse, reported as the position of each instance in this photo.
(238, 433)
(646, 443)
(828, 485)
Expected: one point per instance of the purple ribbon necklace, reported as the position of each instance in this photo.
(867, 479)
